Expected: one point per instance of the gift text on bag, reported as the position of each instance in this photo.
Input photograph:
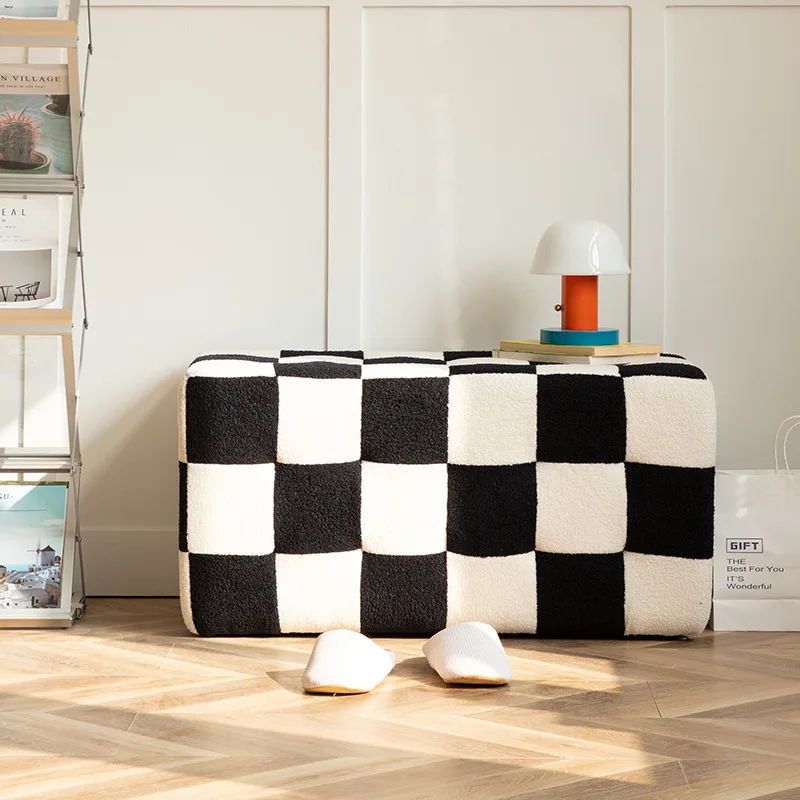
(744, 546)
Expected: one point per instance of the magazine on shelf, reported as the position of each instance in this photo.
(32, 9)
(32, 524)
(35, 121)
(28, 251)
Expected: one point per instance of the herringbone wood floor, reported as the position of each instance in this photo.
(128, 705)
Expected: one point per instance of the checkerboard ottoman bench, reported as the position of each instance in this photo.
(398, 494)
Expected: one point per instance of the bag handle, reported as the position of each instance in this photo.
(785, 441)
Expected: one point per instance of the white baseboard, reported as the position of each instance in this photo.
(131, 562)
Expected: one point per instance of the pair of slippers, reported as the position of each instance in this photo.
(346, 662)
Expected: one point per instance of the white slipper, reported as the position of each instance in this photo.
(346, 662)
(469, 652)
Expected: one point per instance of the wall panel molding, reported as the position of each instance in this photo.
(343, 323)
(503, 120)
(647, 173)
(732, 202)
(344, 317)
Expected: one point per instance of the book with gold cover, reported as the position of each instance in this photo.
(596, 351)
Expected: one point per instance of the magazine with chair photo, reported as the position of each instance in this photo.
(28, 252)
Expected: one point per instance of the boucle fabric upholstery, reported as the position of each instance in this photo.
(399, 494)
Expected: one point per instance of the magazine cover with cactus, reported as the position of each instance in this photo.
(32, 519)
(28, 251)
(35, 120)
(31, 9)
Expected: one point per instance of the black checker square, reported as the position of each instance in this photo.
(234, 595)
(236, 357)
(183, 506)
(455, 355)
(318, 369)
(317, 508)
(492, 369)
(491, 510)
(354, 354)
(666, 369)
(231, 420)
(403, 360)
(403, 595)
(581, 419)
(404, 420)
(670, 510)
(580, 595)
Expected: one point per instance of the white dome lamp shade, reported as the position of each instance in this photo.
(579, 251)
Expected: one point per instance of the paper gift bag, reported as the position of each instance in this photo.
(757, 549)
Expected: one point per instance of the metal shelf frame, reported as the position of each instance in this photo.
(67, 323)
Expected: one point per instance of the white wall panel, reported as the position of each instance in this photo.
(733, 206)
(481, 127)
(206, 151)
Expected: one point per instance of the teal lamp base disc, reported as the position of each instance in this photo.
(579, 338)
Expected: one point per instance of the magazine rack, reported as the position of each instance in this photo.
(64, 318)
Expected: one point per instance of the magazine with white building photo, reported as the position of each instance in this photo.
(32, 520)
(29, 251)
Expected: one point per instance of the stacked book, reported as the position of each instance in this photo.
(534, 350)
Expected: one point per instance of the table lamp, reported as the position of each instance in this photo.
(579, 251)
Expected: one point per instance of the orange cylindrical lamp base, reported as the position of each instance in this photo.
(579, 302)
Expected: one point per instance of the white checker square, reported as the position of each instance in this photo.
(405, 371)
(671, 421)
(499, 590)
(320, 357)
(576, 369)
(428, 355)
(182, 451)
(581, 508)
(666, 594)
(319, 420)
(230, 509)
(319, 591)
(403, 508)
(492, 419)
(231, 368)
(472, 360)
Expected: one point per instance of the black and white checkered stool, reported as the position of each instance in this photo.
(399, 494)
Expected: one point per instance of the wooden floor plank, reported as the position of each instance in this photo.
(126, 704)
